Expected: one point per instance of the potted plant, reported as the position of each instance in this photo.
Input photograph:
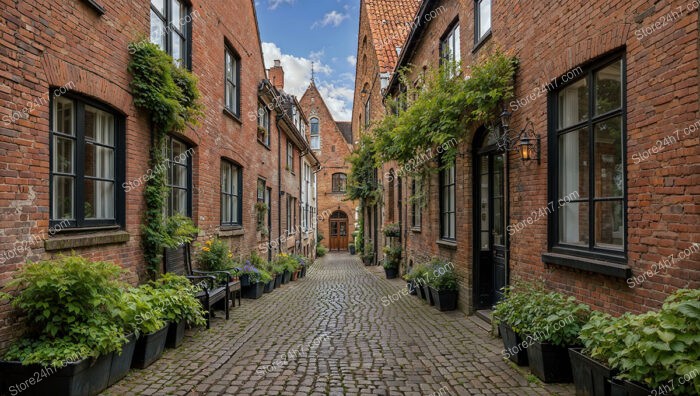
(178, 306)
(143, 309)
(509, 315)
(320, 250)
(392, 230)
(554, 324)
(351, 248)
(417, 278)
(444, 286)
(601, 338)
(301, 260)
(392, 261)
(70, 334)
(410, 282)
(368, 255)
(661, 347)
(258, 278)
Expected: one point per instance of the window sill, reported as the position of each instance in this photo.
(616, 270)
(417, 230)
(481, 42)
(231, 231)
(446, 243)
(267, 146)
(87, 240)
(93, 4)
(233, 115)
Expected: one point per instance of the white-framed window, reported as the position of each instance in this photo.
(450, 50)
(315, 134)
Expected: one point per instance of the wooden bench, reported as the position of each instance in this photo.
(178, 261)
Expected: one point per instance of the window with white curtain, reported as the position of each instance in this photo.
(231, 183)
(84, 158)
(589, 167)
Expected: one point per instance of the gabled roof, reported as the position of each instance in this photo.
(345, 128)
(390, 22)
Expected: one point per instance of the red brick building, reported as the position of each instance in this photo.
(74, 148)
(611, 95)
(384, 26)
(332, 143)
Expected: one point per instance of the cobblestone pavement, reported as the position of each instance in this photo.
(347, 343)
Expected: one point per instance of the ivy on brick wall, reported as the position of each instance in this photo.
(442, 109)
(170, 96)
(362, 182)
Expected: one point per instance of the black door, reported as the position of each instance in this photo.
(491, 259)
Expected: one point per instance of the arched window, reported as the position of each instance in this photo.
(340, 182)
(315, 134)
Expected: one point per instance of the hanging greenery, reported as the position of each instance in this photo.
(170, 96)
(362, 182)
(443, 108)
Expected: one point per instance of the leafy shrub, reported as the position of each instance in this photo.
(659, 348)
(547, 317)
(321, 250)
(176, 299)
(417, 273)
(69, 304)
(256, 275)
(392, 229)
(138, 313)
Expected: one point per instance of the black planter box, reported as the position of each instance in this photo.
(421, 291)
(84, 378)
(617, 388)
(245, 280)
(352, 249)
(550, 363)
(149, 348)
(121, 362)
(590, 377)
(445, 300)
(278, 280)
(634, 389)
(176, 334)
(286, 276)
(367, 260)
(302, 274)
(512, 342)
(269, 286)
(391, 273)
(428, 295)
(254, 291)
(411, 288)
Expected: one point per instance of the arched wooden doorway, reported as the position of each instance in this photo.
(338, 239)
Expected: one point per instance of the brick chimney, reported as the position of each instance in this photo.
(276, 75)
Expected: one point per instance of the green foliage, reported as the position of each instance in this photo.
(170, 96)
(321, 250)
(369, 252)
(445, 108)
(362, 181)
(547, 317)
(139, 313)
(69, 304)
(417, 273)
(659, 348)
(440, 275)
(176, 300)
(178, 230)
(392, 229)
(214, 255)
(393, 256)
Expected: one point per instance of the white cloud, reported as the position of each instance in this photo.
(273, 4)
(297, 75)
(333, 18)
(352, 60)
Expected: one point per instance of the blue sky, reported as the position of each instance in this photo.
(299, 32)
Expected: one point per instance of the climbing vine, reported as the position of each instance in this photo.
(362, 181)
(170, 96)
(443, 109)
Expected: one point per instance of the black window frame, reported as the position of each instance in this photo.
(453, 215)
(167, 20)
(339, 179)
(615, 256)
(230, 52)
(478, 38)
(450, 33)
(238, 195)
(79, 220)
(171, 164)
(368, 112)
